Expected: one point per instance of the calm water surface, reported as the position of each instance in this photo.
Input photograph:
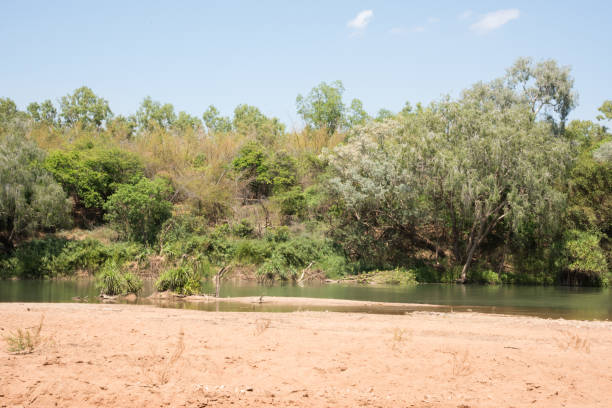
(552, 302)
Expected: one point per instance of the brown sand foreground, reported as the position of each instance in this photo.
(141, 356)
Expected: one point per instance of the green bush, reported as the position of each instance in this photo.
(333, 265)
(252, 251)
(280, 234)
(243, 229)
(138, 211)
(292, 203)
(289, 257)
(52, 257)
(133, 284)
(584, 261)
(484, 277)
(34, 259)
(110, 281)
(397, 276)
(113, 282)
(88, 255)
(183, 280)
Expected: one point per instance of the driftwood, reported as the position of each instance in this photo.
(218, 277)
(300, 281)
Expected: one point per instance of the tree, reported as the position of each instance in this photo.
(545, 87)
(152, 113)
(496, 166)
(590, 189)
(185, 121)
(356, 115)
(465, 168)
(137, 211)
(216, 123)
(323, 108)
(43, 112)
(249, 120)
(91, 176)
(264, 172)
(83, 106)
(8, 110)
(384, 114)
(606, 111)
(30, 200)
(11, 119)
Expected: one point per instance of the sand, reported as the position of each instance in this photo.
(95, 355)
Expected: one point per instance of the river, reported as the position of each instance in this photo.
(542, 301)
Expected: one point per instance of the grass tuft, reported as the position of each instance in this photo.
(25, 341)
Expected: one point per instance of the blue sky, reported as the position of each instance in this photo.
(193, 54)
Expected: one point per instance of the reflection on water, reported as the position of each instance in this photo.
(553, 302)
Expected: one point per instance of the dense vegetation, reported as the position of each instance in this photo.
(494, 186)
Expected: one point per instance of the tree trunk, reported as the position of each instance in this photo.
(467, 263)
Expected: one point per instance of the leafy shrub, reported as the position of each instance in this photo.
(88, 254)
(34, 259)
(426, 273)
(484, 277)
(252, 251)
(138, 211)
(584, 259)
(289, 257)
(292, 203)
(333, 265)
(243, 229)
(52, 257)
(183, 280)
(397, 276)
(280, 234)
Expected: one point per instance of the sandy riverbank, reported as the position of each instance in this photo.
(292, 301)
(126, 355)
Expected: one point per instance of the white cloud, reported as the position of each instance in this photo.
(494, 20)
(398, 31)
(418, 29)
(432, 20)
(465, 15)
(361, 20)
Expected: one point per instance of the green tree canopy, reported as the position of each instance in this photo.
(606, 111)
(90, 176)
(215, 122)
(545, 87)
(464, 167)
(30, 200)
(43, 112)
(186, 121)
(263, 171)
(85, 107)
(152, 113)
(249, 120)
(323, 108)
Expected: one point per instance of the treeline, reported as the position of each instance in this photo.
(494, 186)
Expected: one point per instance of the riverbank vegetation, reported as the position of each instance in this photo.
(495, 186)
